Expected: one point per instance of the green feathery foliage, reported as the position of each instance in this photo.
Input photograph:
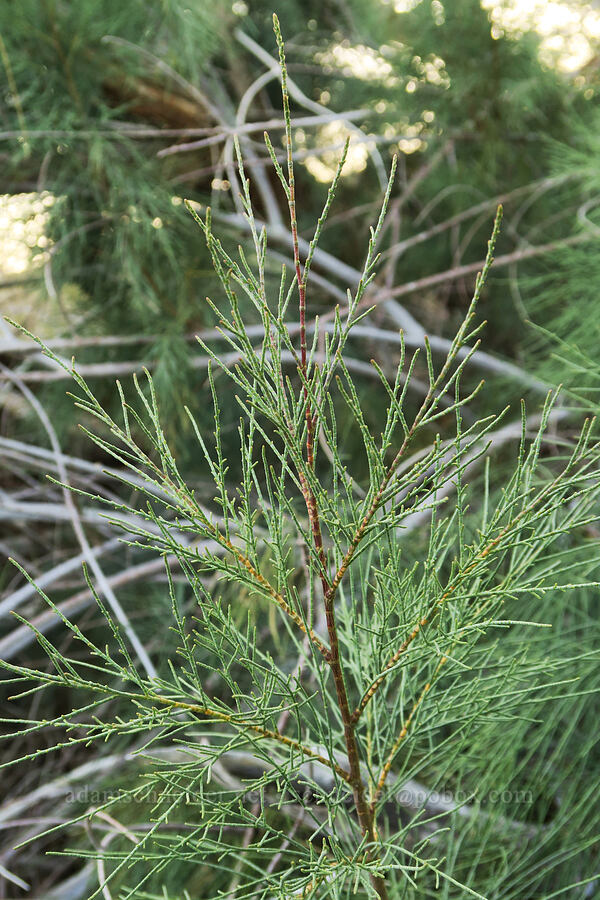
(395, 729)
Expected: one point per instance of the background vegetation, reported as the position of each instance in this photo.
(111, 115)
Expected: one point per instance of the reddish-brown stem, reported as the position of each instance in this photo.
(365, 815)
(299, 279)
(333, 657)
(364, 811)
(358, 535)
(309, 497)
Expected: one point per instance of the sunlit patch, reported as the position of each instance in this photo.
(410, 145)
(323, 163)
(438, 12)
(404, 6)
(432, 69)
(23, 219)
(567, 30)
(357, 62)
(411, 142)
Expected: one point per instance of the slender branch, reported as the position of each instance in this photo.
(129, 367)
(18, 597)
(196, 709)
(257, 729)
(309, 497)
(472, 211)
(403, 733)
(457, 272)
(216, 133)
(224, 541)
(273, 593)
(23, 635)
(419, 418)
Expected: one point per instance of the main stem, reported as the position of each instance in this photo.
(364, 812)
(363, 809)
(366, 815)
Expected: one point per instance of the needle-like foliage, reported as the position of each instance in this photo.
(346, 749)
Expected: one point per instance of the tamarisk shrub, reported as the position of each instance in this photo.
(307, 759)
